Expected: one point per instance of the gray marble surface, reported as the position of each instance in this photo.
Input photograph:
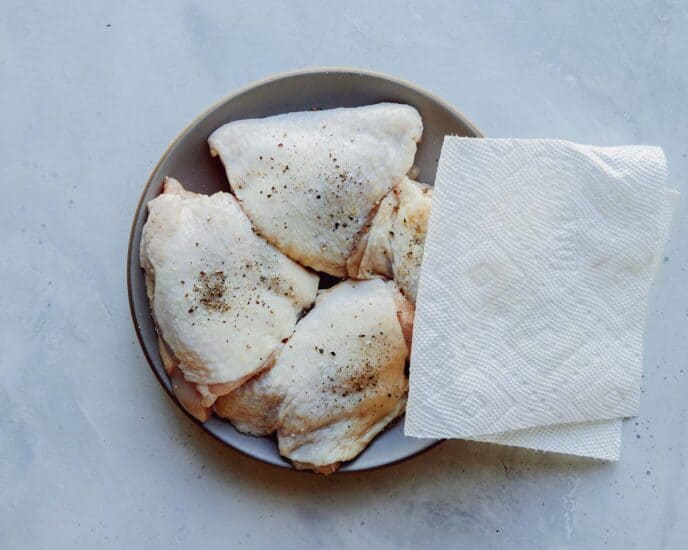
(93, 453)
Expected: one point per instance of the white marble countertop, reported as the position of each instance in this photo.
(91, 450)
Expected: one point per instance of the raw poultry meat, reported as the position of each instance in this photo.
(337, 382)
(223, 299)
(393, 246)
(310, 181)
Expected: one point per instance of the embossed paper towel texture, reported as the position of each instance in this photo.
(600, 439)
(535, 278)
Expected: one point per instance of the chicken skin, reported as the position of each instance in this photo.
(223, 299)
(310, 181)
(393, 246)
(337, 382)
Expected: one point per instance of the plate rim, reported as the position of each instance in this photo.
(149, 181)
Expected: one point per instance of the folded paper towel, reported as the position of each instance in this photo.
(600, 439)
(537, 268)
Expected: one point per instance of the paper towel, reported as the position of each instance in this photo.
(537, 267)
(600, 439)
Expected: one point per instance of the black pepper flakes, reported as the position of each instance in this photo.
(211, 291)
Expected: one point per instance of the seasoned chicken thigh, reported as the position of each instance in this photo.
(310, 181)
(222, 298)
(337, 382)
(393, 246)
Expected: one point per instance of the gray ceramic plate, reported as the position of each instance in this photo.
(188, 160)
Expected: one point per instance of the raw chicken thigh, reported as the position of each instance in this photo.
(393, 247)
(222, 298)
(310, 181)
(337, 382)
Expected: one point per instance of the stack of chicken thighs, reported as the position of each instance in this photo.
(233, 279)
